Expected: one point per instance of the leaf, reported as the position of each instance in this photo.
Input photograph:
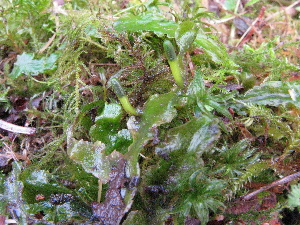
(159, 109)
(251, 2)
(294, 196)
(112, 113)
(148, 21)
(26, 65)
(92, 158)
(196, 136)
(106, 128)
(274, 93)
(185, 35)
(217, 53)
(11, 195)
(206, 101)
(40, 182)
(230, 4)
(196, 88)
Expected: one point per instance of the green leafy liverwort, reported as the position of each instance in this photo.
(173, 62)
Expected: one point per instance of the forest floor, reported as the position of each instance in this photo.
(153, 112)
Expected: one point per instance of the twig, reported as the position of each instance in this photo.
(16, 129)
(281, 11)
(246, 36)
(49, 42)
(273, 184)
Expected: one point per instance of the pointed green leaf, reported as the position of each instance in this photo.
(214, 49)
(148, 21)
(185, 35)
(274, 93)
(159, 109)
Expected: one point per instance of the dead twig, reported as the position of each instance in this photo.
(283, 10)
(273, 184)
(251, 29)
(16, 129)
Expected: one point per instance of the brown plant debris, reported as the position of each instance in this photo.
(112, 210)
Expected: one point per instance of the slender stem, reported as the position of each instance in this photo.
(273, 184)
(99, 190)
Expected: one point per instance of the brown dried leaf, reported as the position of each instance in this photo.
(112, 210)
(255, 204)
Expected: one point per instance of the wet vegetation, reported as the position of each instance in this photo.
(155, 112)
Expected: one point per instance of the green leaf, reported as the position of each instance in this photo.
(294, 196)
(112, 113)
(206, 101)
(251, 2)
(217, 53)
(39, 182)
(219, 108)
(120, 141)
(274, 93)
(11, 194)
(185, 35)
(196, 89)
(159, 109)
(230, 4)
(26, 65)
(196, 136)
(91, 156)
(106, 129)
(148, 21)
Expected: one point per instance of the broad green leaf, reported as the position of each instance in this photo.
(159, 109)
(196, 136)
(106, 128)
(274, 93)
(27, 65)
(196, 88)
(294, 196)
(11, 194)
(40, 182)
(230, 4)
(185, 35)
(212, 48)
(149, 21)
(92, 158)
(107, 123)
(112, 113)
(251, 2)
